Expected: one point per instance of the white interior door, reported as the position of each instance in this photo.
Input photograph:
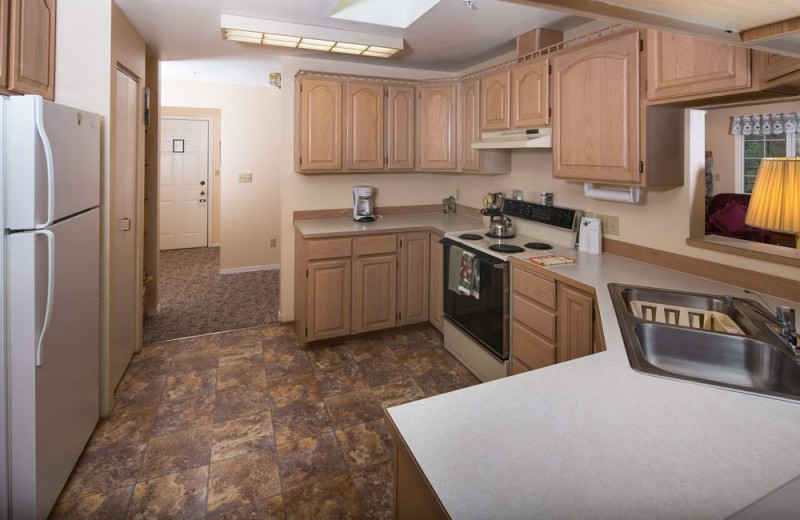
(183, 193)
(123, 233)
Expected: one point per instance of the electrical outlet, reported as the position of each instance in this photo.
(610, 224)
(717, 177)
(245, 177)
(273, 242)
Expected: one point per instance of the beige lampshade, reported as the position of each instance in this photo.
(775, 201)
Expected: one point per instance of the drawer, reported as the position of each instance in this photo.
(323, 248)
(530, 349)
(535, 287)
(376, 245)
(517, 367)
(541, 320)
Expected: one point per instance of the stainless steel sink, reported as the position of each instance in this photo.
(754, 361)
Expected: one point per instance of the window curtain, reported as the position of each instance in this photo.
(765, 124)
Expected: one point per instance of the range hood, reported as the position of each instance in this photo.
(530, 138)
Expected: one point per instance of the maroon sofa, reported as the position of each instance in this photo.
(725, 216)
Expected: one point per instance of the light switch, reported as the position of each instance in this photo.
(245, 177)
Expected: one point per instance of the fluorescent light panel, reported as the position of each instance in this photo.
(280, 34)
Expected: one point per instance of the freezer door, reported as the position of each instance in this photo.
(53, 408)
(52, 161)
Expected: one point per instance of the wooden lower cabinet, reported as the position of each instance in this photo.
(414, 497)
(551, 322)
(328, 299)
(414, 278)
(374, 293)
(436, 295)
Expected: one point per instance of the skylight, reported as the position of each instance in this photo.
(396, 13)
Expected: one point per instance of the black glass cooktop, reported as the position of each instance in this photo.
(506, 248)
(538, 245)
(470, 236)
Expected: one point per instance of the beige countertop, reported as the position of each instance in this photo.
(591, 438)
(442, 222)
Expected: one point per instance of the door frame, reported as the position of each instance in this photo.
(213, 116)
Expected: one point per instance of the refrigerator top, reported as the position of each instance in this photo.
(52, 161)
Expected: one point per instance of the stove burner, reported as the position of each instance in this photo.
(506, 248)
(492, 235)
(470, 236)
(538, 245)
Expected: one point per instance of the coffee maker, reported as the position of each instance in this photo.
(362, 203)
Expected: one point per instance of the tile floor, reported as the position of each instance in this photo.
(246, 424)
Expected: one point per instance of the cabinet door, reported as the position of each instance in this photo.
(364, 119)
(575, 324)
(375, 293)
(596, 111)
(328, 299)
(679, 65)
(32, 46)
(4, 44)
(496, 101)
(470, 127)
(400, 128)
(320, 125)
(436, 116)
(530, 94)
(414, 278)
(774, 66)
(436, 282)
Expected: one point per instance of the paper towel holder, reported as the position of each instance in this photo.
(629, 195)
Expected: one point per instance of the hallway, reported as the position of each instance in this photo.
(246, 424)
(195, 299)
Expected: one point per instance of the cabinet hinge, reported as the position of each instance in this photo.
(386, 161)
(306, 273)
(399, 316)
(641, 45)
(301, 89)
(549, 69)
(386, 94)
(306, 331)
(401, 242)
(549, 112)
(301, 161)
(641, 167)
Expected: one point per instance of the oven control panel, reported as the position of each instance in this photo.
(551, 215)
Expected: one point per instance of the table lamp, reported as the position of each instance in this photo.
(775, 201)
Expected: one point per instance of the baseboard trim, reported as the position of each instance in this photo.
(235, 270)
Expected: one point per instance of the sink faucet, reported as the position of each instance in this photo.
(785, 319)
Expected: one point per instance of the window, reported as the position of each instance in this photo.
(757, 147)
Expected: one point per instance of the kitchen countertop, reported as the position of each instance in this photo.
(591, 438)
(442, 222)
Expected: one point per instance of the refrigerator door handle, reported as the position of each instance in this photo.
(51, 285)
(48, 155)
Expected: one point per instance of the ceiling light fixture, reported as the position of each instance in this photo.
(292, 35)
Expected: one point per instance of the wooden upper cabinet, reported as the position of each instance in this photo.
(496, 101)
(4, 44)
(773, 66)
(320, 125)
(436, 131)
(31, 47)
(400, 128)
(530, 94)
(470, 125)
(679, 65)
(596, 111)
(364, 119)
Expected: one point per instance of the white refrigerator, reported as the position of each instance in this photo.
(51, 265)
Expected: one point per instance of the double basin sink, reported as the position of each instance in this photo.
(716, 340)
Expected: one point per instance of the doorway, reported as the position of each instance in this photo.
(184, 191)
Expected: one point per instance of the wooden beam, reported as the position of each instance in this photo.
(602, 11)
(771, 31)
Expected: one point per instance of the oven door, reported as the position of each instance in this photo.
(485, 317)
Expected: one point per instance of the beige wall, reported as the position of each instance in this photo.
(722, 144)
(251, 143)
(663, 221)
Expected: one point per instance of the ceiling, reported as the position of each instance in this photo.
(449, 37)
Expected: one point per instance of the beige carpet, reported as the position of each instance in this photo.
(195, 299)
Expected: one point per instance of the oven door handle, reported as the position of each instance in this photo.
(501, 266)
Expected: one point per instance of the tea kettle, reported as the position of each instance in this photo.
(500, 226)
